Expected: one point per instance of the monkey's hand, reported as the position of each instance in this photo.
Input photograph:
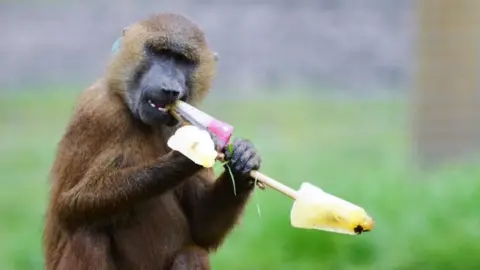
(242, 158)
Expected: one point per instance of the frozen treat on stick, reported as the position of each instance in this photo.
(316, 209)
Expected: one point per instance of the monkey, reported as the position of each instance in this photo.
(119, 197)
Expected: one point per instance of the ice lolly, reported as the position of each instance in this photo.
(221, 130)
(317, 209)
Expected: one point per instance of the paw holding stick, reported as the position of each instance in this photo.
(242, 158)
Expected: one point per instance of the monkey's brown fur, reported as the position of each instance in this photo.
(103, 215)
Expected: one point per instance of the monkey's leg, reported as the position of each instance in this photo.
(191, 258)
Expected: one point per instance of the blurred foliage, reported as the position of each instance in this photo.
(358, 150)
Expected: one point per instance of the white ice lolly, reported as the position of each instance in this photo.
(194, 143)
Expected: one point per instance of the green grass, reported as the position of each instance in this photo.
(357, 150)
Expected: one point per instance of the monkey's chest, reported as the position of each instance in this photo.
(154, 232)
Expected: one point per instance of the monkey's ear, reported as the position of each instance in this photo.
(216, 57)
(116, 45)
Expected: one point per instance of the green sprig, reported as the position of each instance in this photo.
(233, 179)
(256, 197)
(230, 150)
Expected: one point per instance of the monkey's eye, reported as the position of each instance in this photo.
(168, 53)
(177, 56)
(182, 58)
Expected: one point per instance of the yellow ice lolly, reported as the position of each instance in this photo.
(315, 209)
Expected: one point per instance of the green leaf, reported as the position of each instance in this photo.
(230, 148)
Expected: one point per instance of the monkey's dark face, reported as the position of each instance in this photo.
(162, 79)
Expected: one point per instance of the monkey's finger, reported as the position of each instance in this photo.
(248, 143)
(253, 163)
(236, 142)
(242, 164)
(238, 152)
(261, 185)
(241, 142)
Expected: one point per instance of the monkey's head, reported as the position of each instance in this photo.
(158, 61)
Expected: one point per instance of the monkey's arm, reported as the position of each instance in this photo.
(106, 189)
(214, 208)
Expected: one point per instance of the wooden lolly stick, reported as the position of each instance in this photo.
(286, 190)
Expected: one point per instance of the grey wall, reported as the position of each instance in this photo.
(354, 44)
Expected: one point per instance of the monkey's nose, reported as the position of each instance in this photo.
(171, 93)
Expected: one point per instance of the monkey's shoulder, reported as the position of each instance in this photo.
(98, 110)
(98, 124)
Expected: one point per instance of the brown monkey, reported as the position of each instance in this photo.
(120, 198)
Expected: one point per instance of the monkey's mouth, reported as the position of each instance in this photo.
(156, 112)
(160, 106)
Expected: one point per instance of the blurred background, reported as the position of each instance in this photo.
(375, 101)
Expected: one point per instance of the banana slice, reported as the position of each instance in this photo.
(316, 209)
